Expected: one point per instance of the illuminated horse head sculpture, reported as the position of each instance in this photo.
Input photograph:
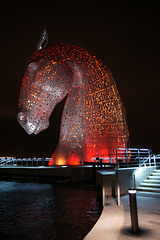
(93, 120)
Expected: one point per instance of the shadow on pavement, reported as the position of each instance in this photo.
(142, 232)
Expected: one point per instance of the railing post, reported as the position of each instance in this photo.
(139, 157)
(150, 161)
(127, 157)
(154, 158)
(134, 180)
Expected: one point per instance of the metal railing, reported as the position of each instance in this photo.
(151, 161)
(124, 157)
(23, 162)
(121, 158)
(131, 157)
(105, 158)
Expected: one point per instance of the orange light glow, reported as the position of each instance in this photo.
(74, 160)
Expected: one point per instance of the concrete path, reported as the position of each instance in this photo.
(148, 217)
(109, 224)
(115, 222)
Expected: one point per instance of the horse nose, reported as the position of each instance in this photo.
(21, 118)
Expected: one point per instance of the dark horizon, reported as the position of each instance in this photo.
(125, 36)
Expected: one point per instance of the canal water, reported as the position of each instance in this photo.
(47, 211)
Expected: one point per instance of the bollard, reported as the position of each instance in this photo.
(133, 210)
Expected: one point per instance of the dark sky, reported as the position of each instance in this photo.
(125, 35)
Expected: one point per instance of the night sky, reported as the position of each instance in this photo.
(126, 36)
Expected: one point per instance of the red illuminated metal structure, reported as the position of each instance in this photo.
(94, 118)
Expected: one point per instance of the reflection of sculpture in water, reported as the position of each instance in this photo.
(93, 120)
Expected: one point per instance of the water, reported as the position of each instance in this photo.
(46, 211)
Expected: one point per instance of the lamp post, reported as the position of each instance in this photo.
(133, 210)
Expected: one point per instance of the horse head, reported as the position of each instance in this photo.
(44, 84)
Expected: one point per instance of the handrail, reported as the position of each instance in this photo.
(154, 156)
(141, 164)
(127, 150)
(129, 155)
(4, 162)
(21, 162)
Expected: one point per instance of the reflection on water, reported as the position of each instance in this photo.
(46, 211)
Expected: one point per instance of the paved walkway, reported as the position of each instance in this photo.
(115, 222)
(148, 217)
(109, 224)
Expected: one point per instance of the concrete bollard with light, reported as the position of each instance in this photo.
(133, 210)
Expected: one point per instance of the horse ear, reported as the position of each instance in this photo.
(42, 41)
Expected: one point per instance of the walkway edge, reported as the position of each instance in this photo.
(109, 224)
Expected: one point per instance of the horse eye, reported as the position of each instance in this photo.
(32, 66)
